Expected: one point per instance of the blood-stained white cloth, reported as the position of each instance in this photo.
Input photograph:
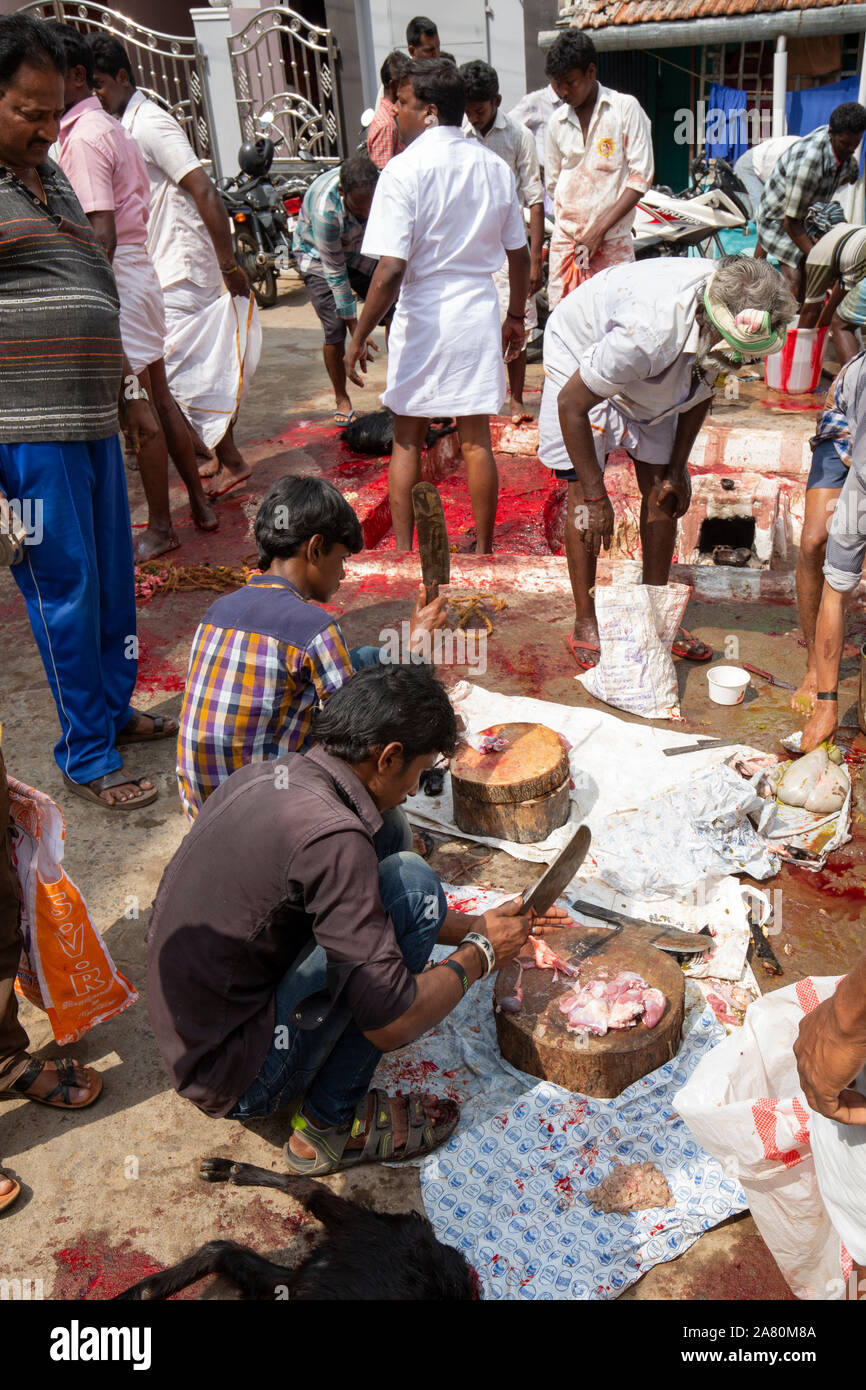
(513, 143)
(448, 208)
(587, 176)
(178, 242)
(212, 348)
(632, 333)
(142, 312)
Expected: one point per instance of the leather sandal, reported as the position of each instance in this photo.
(332, 1154)
(89, 791)
(7, 1198)
(65, 1082)
(162, 727)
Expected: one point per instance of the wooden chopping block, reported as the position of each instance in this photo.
(537, 1041)
(520, 794)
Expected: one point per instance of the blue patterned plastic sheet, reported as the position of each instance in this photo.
(510, 1191)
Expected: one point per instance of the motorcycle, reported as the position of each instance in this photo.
(668, 225)
(263, 212)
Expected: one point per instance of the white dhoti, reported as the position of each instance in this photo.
(650, 442)
(142, 314)
(445, 348)
(212, 347)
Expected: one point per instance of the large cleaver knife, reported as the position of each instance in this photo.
(432, 538)
(544, 893)
(652, 933)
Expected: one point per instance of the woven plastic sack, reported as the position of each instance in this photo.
(65, 967)
(744, 1105)
(637, 624)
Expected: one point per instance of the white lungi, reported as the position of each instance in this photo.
(142, 313)
(448, 208)
(212, 348)
(631, 332)
(459, 368)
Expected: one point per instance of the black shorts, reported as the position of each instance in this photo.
(322, 299)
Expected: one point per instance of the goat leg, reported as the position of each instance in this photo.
(318, 1200)
(256, 1277)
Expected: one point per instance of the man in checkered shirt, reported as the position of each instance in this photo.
(809, 172)
(266, 655)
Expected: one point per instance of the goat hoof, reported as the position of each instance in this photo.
(215, 1169)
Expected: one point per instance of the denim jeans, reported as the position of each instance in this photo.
(330, 1066)
(362, 657)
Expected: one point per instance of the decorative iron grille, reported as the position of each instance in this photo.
(287, 66)
(168, 68)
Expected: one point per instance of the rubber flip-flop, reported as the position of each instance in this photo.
(7, 1198)
(576, 648)
(691, 648)
(341, 419)
(160, 728)
(89, 791)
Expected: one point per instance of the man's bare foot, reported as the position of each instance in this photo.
(299, 1145)
(125, 791)
(804, 700)
(6, 1187)
(518, 412)
(203, 515)
(155, 542)
(343, 405)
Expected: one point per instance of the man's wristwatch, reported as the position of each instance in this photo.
(484, 948)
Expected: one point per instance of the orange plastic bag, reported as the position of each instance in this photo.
(65, 967)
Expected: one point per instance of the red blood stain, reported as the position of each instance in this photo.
(157, 677)
(98, 1266)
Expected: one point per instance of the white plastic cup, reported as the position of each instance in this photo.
(727, 684)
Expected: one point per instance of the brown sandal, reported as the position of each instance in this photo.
(89, 791)
(7, 1198)
(162, 727)
(65, 1081)
(331, 1145)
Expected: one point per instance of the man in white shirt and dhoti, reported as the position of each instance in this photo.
(630, 359)
(213, 340)
(445, 215)
(598, 161)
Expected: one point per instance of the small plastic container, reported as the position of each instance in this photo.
(727, 684)
(797, 368)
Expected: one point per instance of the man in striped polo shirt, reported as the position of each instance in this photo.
(61, 379)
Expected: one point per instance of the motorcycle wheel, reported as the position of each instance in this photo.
(262, 280)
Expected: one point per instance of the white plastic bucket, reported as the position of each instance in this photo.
(727, 684)
(797, 368)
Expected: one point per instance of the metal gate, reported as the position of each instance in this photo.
(283, 64)
(168, 68)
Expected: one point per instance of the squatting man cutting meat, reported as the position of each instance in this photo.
(630, 359)
(292, 928)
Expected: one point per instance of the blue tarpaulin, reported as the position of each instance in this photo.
(808, 109)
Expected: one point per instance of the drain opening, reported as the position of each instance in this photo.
(734, 531)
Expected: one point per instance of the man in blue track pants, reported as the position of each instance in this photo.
(61, 384)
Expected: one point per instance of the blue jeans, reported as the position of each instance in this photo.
(362, 657)
(330, 1067)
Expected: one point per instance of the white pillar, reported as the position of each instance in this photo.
(212, 29)
(780, 85)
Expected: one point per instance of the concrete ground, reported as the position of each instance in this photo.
(110, 1193)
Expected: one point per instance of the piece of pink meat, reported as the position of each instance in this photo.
(588, 1015)
(655, 1004)
(543, 958)
(605, 1003)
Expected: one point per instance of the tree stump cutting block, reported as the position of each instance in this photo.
(537, 1041)
(520, 794)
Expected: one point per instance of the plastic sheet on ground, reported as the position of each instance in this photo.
(510, 1191)
(623, 791)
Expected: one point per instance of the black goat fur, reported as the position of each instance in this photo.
(365, 1254)
(374, 433)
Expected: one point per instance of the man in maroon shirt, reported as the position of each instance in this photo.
(292, 927)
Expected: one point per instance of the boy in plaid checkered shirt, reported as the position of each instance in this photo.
(266, 655)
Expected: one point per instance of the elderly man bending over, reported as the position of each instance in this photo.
(630, 358)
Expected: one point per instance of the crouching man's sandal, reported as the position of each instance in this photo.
(332, 1153)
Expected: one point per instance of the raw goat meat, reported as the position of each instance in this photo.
(512, 1003)
(618, 1003)
(632, 1187)
(543, 958)
(487, 743)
